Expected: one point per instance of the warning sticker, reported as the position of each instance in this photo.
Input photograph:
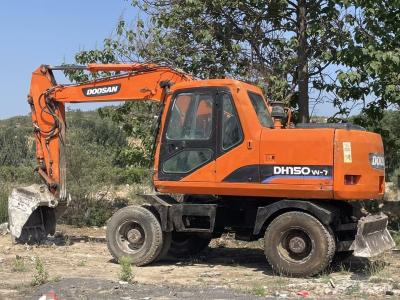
(347, 152)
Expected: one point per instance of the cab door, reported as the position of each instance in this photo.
(188, 145)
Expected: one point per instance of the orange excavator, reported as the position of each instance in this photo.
(237, 159)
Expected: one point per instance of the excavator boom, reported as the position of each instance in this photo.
(47, 98)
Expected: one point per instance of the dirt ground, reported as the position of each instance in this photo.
(80, 267)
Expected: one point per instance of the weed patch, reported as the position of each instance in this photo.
(259, 291)
(126, 273)
(41, 276)
(19, 265)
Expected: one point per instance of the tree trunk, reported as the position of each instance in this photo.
(302, 57)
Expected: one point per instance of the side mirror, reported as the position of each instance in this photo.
(278, 110)
(278, 113)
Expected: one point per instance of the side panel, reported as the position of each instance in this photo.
(300, 159)
(248, 169)
(358, 155)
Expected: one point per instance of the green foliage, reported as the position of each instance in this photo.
(19, 265)
(255, 41)
(389, 127)
(5, 190)
(41, 276)
(396, 238)
(372, 56)
(95, 162)
(126, 273)
(91, 211)
(16, 142)
(259, 291)
(137, 121)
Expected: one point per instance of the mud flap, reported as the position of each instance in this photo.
(31, 210)
(372, 236)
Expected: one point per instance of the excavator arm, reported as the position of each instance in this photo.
(47, 98)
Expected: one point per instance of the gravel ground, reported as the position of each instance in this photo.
(79, 266)
(78, 288)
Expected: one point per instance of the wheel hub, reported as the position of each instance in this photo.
(297, 245)
(134, 236)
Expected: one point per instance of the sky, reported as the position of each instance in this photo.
(48, 32)
(51, 32)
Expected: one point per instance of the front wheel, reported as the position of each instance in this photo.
(135, 232)
(298, 244)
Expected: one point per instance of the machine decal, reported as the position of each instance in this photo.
(250, 173)
(267, 173)
(271, 172)
(347, 152)
(102, 90)
(377, 160)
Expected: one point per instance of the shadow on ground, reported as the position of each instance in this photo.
(252, 258)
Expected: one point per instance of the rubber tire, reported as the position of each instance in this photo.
(153, 242)
(167, 238)
(188, 244)
(322, 251)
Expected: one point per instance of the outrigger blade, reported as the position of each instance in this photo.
(32, 212)
(372, 236)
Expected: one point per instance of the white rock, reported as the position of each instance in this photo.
(4, 228)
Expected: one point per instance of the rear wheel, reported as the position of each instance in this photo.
(297, 244)
(135, 232)
(185, 244)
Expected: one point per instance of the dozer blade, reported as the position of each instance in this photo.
(32, 213)
(372, 236)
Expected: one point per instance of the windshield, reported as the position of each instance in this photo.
(261, 109)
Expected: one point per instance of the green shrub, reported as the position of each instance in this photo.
(91, 212)
(130, 175)
(126, 273)
(5, 191)
(396, 238)
(41, 276)
(19, 265)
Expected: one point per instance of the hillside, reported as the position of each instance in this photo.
(96, 150)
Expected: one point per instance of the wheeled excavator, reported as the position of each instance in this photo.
(236, 159)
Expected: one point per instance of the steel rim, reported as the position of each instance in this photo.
(295, 245)
(131, 237)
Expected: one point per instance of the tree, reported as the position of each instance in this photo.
(286, 45)
(283, 46)
(372, 58)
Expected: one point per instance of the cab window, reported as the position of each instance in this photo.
(231, 131)
(191, 117)
(261, 109)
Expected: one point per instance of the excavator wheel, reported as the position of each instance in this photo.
(134, 231)
(297, 244)
(167, 239)
(186, 244)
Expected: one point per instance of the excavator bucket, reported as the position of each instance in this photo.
(372, 236)
(32, 213)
